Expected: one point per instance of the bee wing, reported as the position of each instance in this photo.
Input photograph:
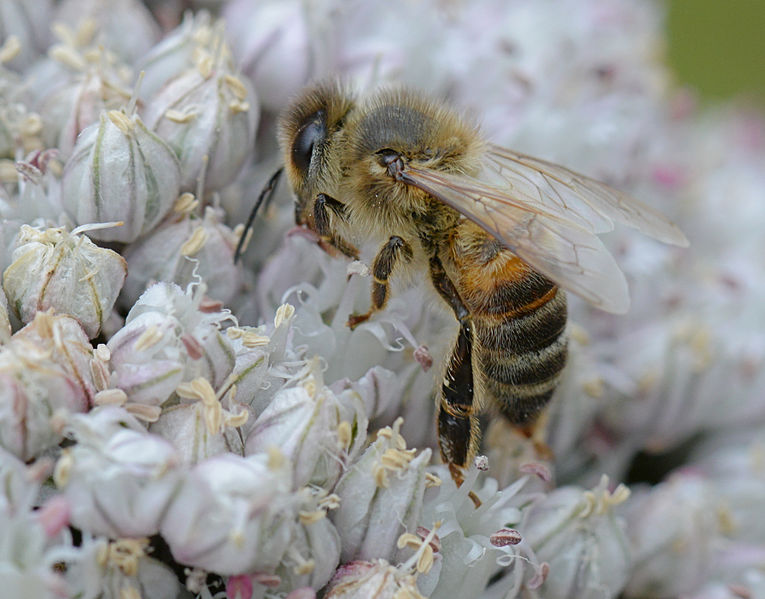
(590, 203)
(563, 249)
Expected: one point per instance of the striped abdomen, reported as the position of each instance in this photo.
(519, 318)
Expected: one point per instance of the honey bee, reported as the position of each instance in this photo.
(500, 234)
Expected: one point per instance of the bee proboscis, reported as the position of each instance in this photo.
(500, 234)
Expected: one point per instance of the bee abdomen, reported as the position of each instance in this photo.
(521, 357)
(519, 319)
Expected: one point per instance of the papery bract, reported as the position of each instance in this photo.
(66, 272)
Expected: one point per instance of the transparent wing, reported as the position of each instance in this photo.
(590, 203)
(564, 249)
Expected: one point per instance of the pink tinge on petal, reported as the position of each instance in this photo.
(435, 542)
(267, 580)
(540, 576)
(239, 587)
(193, 347)
(54, 515)
(537, 469)
(304, 593)
(423, 357)
(671, 177)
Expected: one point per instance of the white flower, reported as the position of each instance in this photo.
(314, 551)
(183, 249)
(476, 542)
(578, 534)
(66, 344)
(264, 35)
(378, 578)
(39, 388)
(119, 481)
(317, 431)
(170, 336)
(198, 425)
(74, 85)
(233, 515)
(380, 497)
(120, 569)
(674, 532)
(174, 52)
(124, 26)
(5, 323)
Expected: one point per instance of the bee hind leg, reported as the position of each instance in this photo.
(394, 250)
(459, 431)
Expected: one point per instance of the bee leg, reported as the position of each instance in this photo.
(395, 249)
(536, 433)
(458, 428)
(330, 241)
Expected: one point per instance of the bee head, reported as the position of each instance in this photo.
(306, 131)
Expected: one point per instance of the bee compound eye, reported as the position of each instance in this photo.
(308, 136)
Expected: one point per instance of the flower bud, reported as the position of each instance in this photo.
(120, 171)
(208, 115)
(380, 389)
(181, 251)
(233, 515)
(66, 272)
(384, 486)
(119, 481)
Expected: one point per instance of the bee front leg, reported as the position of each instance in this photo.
(458, 428)
(323, 205)
(394, 250)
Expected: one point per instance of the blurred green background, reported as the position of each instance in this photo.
(718, 47)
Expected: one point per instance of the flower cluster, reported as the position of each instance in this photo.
(175, 424)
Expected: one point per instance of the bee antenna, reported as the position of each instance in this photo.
(268, 190)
